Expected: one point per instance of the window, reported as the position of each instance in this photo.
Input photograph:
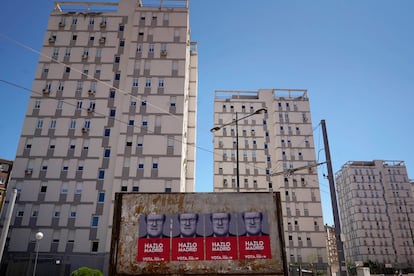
(72, 214)
(101, 174)
(37, 104)
(121, 28)
(101, 197)
(131, 122)
(107, 132)
(74, 37)
(117, 76)
(144, 123)
(112, 93)
(117, 59)
(78, 189)
(91, 21)
(112, 113)
(56, 214)
(151, 48)
(72, 124)
(107, 152)
(140, 164)
(121, 43)
(133, 103)
(168, 190)
(135, 83)
(55, 52)
(95, 246)
(148, 83)
(67, 69)
(95, 220)
(124, 189)
(87, 124)
(20, 213)
(39, 123)
(135, 189)
(161, 83)
(139, 48)
(98, 52)
(79, 105)
(64, 188)
(43, 189)
(74, 21)
(53, 124)
(155, 163)
(67, 52)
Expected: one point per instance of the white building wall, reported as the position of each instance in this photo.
(70, 159)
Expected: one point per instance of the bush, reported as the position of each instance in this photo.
(86, 271)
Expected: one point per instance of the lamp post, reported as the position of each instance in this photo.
(38, 236)
(235, 122)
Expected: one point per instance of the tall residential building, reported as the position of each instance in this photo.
(113, 109)
(269, 145)
(332, 249)
(377, 212)
(5, 172)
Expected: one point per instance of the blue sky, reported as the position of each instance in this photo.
(355, 58)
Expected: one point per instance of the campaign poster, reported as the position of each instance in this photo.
(221, 240)
(154, 238)
(188, 239)
(254, 240)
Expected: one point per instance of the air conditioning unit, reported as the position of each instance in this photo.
(84, 56)
(28, 171)
(61, 24)
(46, 91)
(90, 109)
(52, 40)
(102, 40)
(164, 53)
(85, 130)
(102, 24)
(91, 92)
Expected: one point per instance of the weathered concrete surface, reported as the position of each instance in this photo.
(130, 206)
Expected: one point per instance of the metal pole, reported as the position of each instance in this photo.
(7, 222)
(339, 245)
(237, 156)
(37, 254)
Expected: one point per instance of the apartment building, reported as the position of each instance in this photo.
(259, 152)
(332, 249)
(5, 172)
(376, 212)
(113, 109)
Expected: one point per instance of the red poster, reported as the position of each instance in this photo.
(187, 249)
(254, 247)
(221, 248)
(153, 250)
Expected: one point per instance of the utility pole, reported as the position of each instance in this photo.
(334, 202)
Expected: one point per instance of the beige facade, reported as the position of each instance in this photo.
(269, 145)
(113, 109)
(377, 212)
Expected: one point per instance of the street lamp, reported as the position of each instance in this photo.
(38, 236)
(235, 122)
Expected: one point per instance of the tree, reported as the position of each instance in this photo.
(86, 271)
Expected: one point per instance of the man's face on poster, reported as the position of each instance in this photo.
(220, 223)
(155, 224)
(253, 223)
(188, 224)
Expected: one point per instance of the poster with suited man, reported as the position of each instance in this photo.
(221, 241)
(154, 238)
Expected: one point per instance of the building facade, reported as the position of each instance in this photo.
(332, 249)
(376, 212)
(273, 151)
(6, 167)
(112, 109)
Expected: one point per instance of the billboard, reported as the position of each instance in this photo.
(197, 234)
